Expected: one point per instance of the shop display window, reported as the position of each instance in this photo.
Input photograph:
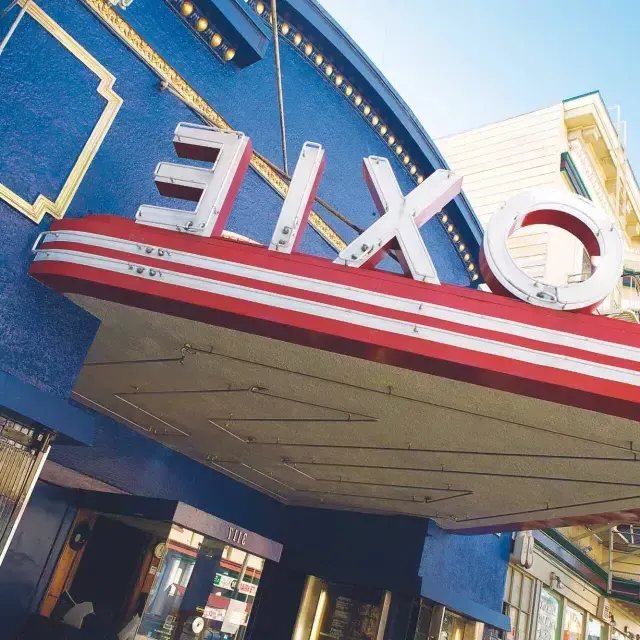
(519, 598)
(455, 627)
(339, 612)
(125, 575)
(204, 589)
(596, 630)
(573, 626)
(549, 616)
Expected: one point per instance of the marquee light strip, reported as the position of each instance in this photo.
(446, 331)
(116, 23)
(203, 29)
(316, 58)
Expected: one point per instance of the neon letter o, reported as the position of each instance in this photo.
(570, 212)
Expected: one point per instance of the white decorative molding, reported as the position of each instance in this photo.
(585, 166)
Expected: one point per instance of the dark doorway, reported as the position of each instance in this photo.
(109, 569)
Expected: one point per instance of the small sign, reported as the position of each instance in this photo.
(224, 582)
(237, 536)
(202, 522)
(604, 610)
(228, 582)
(213, 613)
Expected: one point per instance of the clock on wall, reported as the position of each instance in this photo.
(80, 536)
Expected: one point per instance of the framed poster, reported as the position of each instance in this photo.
(548, 616)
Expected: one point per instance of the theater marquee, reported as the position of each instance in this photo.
(175, 262)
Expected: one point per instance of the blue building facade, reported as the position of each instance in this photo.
(92, 95)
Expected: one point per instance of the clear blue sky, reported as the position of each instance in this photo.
(460, 64)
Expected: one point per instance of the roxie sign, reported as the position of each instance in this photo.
(401, 216)
(174, 262)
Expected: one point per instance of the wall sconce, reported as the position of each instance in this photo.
(556, 582)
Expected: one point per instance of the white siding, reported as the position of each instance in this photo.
(501, 159)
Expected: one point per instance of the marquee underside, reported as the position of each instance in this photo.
(362, 429)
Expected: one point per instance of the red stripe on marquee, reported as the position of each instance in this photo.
(425, 356)
(502, 337)
(460, 298)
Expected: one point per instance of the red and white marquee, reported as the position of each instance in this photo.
(176, 263)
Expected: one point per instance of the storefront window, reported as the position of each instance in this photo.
(204, 589)
(596, 630)
(519, 596)
(455, 627)
(572, 629)
(549, 614)
(339, 612)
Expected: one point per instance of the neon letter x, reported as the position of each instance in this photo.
(401, 219)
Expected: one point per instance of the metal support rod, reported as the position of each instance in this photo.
(13, 27)
(276, 49)
(623, 554)
(243, 571)
(610, 574)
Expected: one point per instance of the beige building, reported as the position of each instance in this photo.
(572, 145)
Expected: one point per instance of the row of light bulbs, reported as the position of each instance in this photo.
(338, 79)
(201, 25)
(297, 39)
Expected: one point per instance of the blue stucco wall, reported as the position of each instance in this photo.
(47, 109)
(50, 107)
(31, 557)
(373, 550)
(466, 573)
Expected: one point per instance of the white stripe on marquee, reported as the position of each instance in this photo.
(440, 312)
(350, 316)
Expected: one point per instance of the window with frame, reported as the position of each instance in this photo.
(519, 597)
(550, 607)
(573, 625)
(596, 629)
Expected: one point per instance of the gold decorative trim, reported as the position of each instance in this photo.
(42, 204)
(188, 94)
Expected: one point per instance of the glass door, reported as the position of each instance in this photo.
(204, 590)
(455, 627)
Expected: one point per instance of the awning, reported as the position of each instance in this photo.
(31, 406)
(183, 515)
(328, 386)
